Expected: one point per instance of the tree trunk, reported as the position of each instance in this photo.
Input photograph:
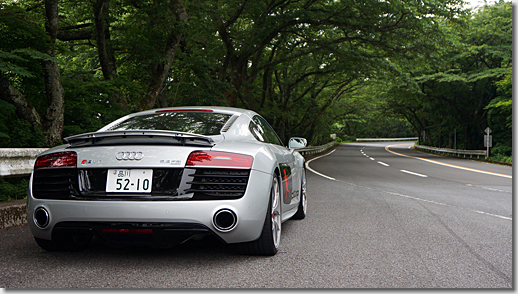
(236, 79)
(54, 118)
(13, 96)
(104, 46)
(162, 69)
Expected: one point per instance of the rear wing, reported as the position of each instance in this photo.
(139, 137)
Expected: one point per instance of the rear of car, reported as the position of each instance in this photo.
(155, 177)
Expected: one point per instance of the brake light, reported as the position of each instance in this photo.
(219, 159)
(60, 159)
(179, 110)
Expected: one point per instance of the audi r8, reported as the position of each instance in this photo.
(164, 176)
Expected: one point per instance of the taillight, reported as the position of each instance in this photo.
(219, 159)
(60, 159)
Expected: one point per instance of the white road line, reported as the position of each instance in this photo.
(401, 195)
(487, 188)
(493, 189)
(495, 215)
(382, 163)
(314, 171)
(415, 174)
(444, 204)
(449, 165)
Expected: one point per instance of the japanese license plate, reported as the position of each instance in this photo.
(129, 180)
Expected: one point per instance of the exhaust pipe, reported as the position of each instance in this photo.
(41, 217)
(224, 220)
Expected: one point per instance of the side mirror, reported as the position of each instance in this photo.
(297, 143)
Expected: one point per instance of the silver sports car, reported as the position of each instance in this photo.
(163, 176)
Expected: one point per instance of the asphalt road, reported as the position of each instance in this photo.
(376, 219)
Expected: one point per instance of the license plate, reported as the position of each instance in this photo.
(129, 180)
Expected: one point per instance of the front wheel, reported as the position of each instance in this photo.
(269, 241)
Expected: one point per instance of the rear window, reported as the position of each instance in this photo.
(202, 123)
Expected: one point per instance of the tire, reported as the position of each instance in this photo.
(269, 241)
(72, 242)
(303, 204)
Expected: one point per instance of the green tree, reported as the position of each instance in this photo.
(452, 92)
(14, 69)
(303, 64)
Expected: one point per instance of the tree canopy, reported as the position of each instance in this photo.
(311, 68)
(466, 88)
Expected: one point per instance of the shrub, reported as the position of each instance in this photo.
(502, 150)
(14, 188)
(501, 158)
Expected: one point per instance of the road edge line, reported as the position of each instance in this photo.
(448, 165)
(317, 173)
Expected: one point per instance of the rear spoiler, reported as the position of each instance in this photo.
(128, 137)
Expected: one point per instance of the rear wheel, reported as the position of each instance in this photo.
(269, 241)
(303, 204)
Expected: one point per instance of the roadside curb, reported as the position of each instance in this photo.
(13, 213)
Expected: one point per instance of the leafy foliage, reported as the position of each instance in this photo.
(356, 68)
(14, 188)
(16, 132)
(455, 96)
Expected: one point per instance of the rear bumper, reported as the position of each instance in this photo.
(250, 211)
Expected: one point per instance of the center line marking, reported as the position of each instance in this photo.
(415, 174)
(401, 195)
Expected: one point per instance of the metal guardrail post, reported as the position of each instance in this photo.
(455, 152)
(315, 149)
(385, 139)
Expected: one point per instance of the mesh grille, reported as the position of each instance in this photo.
(218, 183)
(90, 184)
(58, 183)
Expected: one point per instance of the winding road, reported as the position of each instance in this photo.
(380, 215)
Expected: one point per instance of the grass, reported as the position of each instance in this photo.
(501, 159)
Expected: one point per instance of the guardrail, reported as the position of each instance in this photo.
(385, 139)
(18, 161)
(315, 149)
(455, 152)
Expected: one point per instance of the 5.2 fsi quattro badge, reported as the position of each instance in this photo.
(129, 155)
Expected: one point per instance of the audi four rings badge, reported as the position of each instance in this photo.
(132, 155)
